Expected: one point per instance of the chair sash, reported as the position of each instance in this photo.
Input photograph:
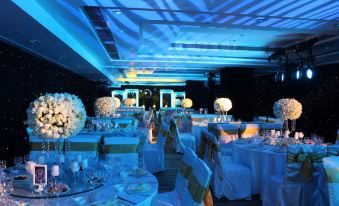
(208, 148)
(165, 137)
(196, 189)
(198, 182)
(307, 160)
(303, 173)
(249, 130)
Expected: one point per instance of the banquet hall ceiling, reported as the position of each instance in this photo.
(167, 41)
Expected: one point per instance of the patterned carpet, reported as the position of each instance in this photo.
(167, 181)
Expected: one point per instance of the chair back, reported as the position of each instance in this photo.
(303, 171)
(331, 165)
(249, 130)
(209, 148)
(165, 138)
(198, 184)
(123, 148)
(185, 171)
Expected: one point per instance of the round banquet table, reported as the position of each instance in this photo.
(106, 194)
(262, 161)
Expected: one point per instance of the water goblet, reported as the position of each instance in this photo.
(17, 162)
(75, 169)
(2, 166)
(26, 158)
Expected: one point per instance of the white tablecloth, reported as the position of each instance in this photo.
(261, 162)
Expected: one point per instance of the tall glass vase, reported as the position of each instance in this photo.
(293, 125)
(58, 150)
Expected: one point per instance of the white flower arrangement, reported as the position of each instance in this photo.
(129, 102)
(287, 109)
(186, 103)
(105, 106)
(222, 105)
(177, 102)
(58, 115)
(117, 102)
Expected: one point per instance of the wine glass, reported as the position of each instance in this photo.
(26, 158)
(2, 166)
(17, 161)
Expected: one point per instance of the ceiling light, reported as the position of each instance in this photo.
(297, 75)
(261, 19)
(309, 73)
(118, 12)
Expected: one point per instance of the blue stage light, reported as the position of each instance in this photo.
(309, 73)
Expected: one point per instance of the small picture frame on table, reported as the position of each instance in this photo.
(40, 175)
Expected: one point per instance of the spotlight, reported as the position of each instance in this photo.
(297, 75)
(280, 76)
(309, 73)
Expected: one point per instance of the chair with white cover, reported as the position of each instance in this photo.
(198, 185)
(331, 165)
(226, 134)
(82, 144)
(153, 154)
(181, 140)
(249, 130)
(123, 148)
(300, 184)
(231, 180)
(176, 196)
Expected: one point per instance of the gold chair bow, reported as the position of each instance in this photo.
(306, 160)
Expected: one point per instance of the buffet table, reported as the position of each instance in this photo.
(262, 160)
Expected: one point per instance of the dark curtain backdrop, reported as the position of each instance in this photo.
(25, 77)
(198, 93)
(237, 84)
(319, 97)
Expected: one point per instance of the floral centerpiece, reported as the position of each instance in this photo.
(117, 102)
(186, 103)
(58, 115)
(223, 105)
(129, 102)
(177, 102)
(105, 106)
(287, 109)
